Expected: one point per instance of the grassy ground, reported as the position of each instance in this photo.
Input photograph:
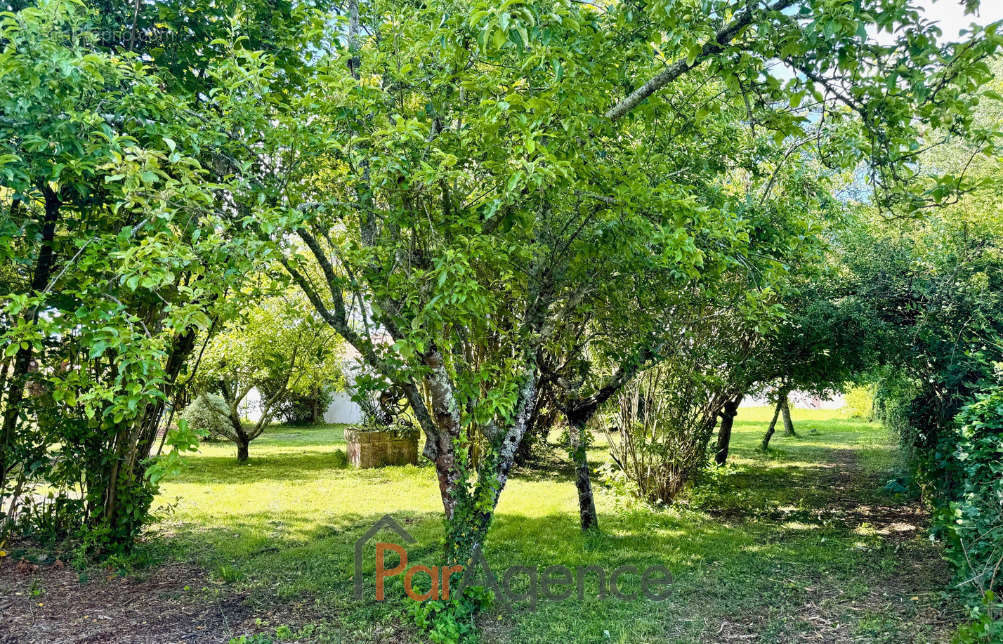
(801, 544)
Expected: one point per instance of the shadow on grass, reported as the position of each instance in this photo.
(550, 465)
(303, 465)
(722, 572)
(746, 546)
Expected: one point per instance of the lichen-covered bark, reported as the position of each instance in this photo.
(586, 501)
(513, 437)
(473, 511)
(440, 444)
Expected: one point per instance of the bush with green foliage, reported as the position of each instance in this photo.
(207, 415)
(936, 287)
(115, 250)
(986, 622)
(304, 408)
(941, 314)
(451, 621)
(664, 422)
(973, 520)
(860, 402)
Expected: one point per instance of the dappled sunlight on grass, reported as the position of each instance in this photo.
(742, 544)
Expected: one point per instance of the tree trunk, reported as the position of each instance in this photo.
(536, 433)
(772, 428)
(239, 437)
(468, 525)
(724, 433)
(785, 411)
(108, 511)
(242, 445)
(439, 446)
(182, 347)
(586, 500)
(4, 366)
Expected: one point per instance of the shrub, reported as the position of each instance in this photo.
(974, 519)
(451, 621)
(955, 450)
(860, 402)
(665, 421)
(986, 623)
(207, 415)
(256, 638)
(304, 409)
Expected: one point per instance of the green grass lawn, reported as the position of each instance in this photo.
(801, 543)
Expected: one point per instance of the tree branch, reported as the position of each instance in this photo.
(722, 39)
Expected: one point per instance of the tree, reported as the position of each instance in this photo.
(826, 341)
(728, 413)
(278, 348)
(461, 182)
(444, 274)
(934, 289)
(778, 403)
(120, 256)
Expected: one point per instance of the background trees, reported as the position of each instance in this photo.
(825, 341)
(275, 349)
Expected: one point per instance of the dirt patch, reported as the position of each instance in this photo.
(175, 603)
(50, 603)
(845, 483)
(840, 488)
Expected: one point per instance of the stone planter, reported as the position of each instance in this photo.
(375, 449)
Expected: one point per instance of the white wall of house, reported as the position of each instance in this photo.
(250, 407)
(343, 409)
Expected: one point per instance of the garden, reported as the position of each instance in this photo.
(802, 543)
(525, 322)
